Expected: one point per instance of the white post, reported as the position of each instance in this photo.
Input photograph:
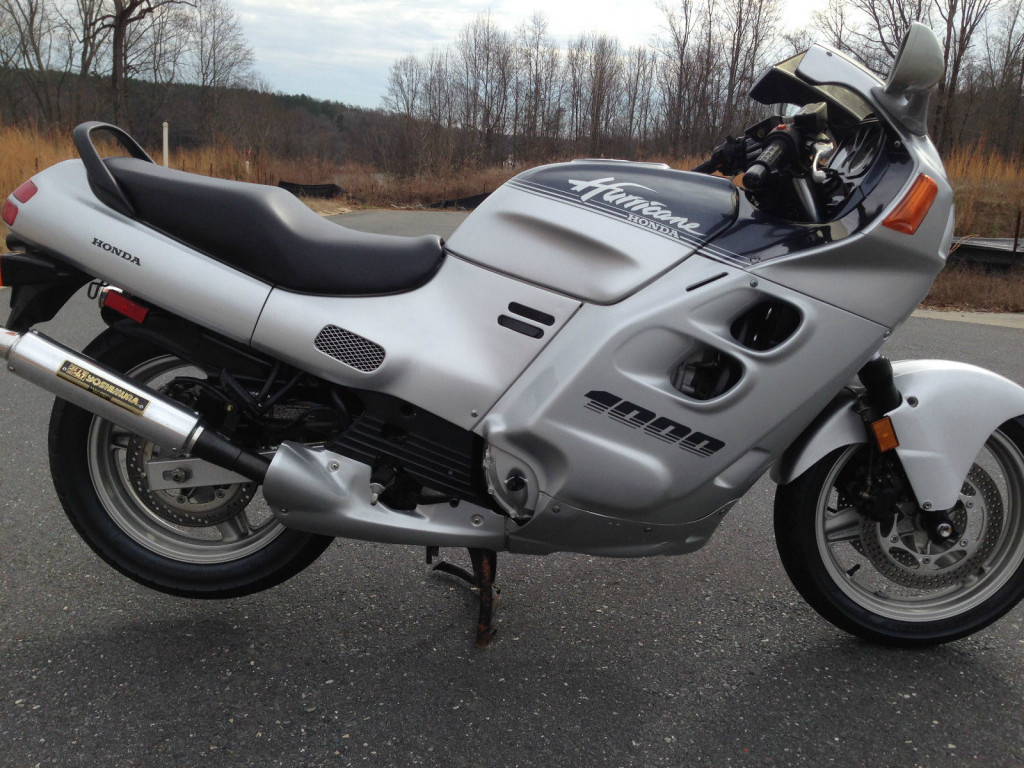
(166, 160)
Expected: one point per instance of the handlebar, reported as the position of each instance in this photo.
(777, 151)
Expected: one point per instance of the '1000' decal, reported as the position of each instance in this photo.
(658, 427)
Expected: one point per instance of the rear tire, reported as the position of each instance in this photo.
(888, 582)
(205, 542)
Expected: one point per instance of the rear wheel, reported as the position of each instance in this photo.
(193, 540)
(889, 581)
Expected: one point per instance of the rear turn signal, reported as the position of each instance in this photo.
(885, 434)
(908, 215)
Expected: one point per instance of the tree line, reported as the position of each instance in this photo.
(495, 95)
(63, 61)
(492, 95)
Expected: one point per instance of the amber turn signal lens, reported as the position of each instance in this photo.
(908, 215)
(885, 434)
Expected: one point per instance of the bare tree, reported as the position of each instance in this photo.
(82, 22)
(677, 65)
(539, 76)
(121, 17)
(837, 25)
(1004, 72)
(42, 52)
(155, 56)
(403, 96)
(219, 57)
(749, 33)
(484, 56)
(797, 40)
(635, 107)
(877, 41)
(575, 88)
(960, 19)
(603, 72)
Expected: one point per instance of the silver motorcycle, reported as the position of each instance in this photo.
(603, 358)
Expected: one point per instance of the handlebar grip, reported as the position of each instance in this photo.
(769, 160)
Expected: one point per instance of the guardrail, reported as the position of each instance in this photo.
(988, 252)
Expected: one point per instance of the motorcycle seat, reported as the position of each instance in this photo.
(270, 234)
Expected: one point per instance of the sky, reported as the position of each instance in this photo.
(343, 50)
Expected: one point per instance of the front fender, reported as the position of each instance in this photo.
(948, 411)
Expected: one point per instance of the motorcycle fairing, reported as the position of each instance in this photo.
(633, 461)
(758, 237)
(312, 490)
(596, 230)
(892, 271)
(444, 346)
(557, 527)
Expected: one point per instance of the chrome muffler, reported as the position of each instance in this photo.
(84, 382)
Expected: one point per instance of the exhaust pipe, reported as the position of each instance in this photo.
(85, 383)
(308, 489)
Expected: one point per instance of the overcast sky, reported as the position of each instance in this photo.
(343, 50)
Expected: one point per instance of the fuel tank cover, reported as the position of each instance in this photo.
(597, 230)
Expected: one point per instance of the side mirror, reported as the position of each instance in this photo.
(919, 64)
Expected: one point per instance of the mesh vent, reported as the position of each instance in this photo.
(350, 348)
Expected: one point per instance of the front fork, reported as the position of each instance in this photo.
(887, 490)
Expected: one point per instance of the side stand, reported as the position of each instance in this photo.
(485, 565)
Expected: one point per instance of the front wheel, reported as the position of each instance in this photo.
(208, 541)
(890, 581)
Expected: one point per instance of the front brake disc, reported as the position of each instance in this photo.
(903, 552)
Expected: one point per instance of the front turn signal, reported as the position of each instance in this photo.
(885, 434)
(911, 210)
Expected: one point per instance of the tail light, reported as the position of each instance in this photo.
(10, 213)
(22, 194)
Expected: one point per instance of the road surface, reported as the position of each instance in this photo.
(366, 658)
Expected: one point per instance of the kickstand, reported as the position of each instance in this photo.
(485, 565)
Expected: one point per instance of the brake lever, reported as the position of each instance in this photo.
(822, 152)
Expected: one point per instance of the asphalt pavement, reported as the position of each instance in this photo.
(366, 657)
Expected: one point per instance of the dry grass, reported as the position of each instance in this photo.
(989, 197)
(989, 192)
(367, 186)
(962, 287)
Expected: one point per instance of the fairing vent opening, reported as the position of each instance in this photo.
(350, 348)
(765, 325)
(707, 373)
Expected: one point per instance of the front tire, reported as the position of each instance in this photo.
(888, 581)
(200, 542)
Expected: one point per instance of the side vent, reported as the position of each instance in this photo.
(350, 348)
(765, 325)
(707, 373)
